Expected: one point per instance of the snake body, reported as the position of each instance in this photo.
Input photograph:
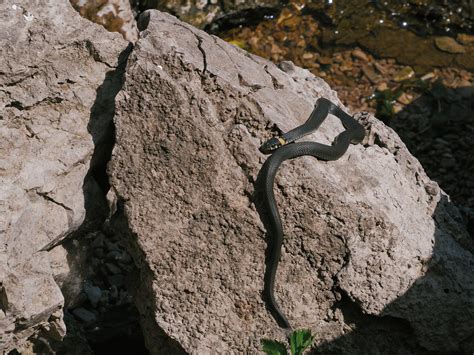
(283, 148)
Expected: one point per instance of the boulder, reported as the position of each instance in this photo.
(56, 103)
(375, 257)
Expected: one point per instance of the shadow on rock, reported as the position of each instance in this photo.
(115, 327)
(157, 339)
(435, 316)
(438, 129)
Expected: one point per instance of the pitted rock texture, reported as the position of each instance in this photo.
(375, 258)
(53, 63)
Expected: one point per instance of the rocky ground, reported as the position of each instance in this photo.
(431, 109)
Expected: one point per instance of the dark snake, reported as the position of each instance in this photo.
(283, 148)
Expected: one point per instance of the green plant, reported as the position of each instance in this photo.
(299, 341)
(384, 103)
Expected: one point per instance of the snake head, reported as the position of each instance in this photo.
(272, 144)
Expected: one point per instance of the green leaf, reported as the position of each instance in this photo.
(273, 347)
(300, 340)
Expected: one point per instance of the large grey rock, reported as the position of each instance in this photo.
(52, 66)
(374, 259)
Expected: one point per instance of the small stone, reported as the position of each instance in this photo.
(370, 74)
(346, 66)
(287, 66)
(114, 269)
(114, 292)
(285, 14)
(125, 258)
(325, 60)
(93, 293)
(124, 297)
(465, 38)
(84, 315)
(428, 76)
(280, 36)
(98, 240)
(397, 107)
(382, 86)
(448, 44)
(359, 54)
(104, 299)
(114, 255)
(405, 98)
(404, 74)
(380, 68)
(116, 280)
(111, 246)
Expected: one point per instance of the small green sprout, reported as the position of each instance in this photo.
(299, 341)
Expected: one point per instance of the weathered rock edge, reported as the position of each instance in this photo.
(56, 71)
(372, 245)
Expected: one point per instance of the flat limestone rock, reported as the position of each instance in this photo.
(375, 257)
(52, 64)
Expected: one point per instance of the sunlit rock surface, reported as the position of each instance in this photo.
(51, 118)
(375, 256)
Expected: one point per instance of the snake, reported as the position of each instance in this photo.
(282, 148)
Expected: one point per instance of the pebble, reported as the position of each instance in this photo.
(325, 60)
(116, 280)
(405, 98)
(428, 76)
(111, 246)
(382, 86)
(98, 241)
(84, 315)
(93, 293)
(404, 74)
(114, 269)
(465, 38)
(370, 74)
(448, 44)
(380, 68)
(114, 255)
(359, 54)
(114, 292)
(125, 259)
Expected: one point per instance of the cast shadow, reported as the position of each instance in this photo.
(445, 313)
(438, 129)
(433, 127)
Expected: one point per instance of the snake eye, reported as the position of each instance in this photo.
(270, 145)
